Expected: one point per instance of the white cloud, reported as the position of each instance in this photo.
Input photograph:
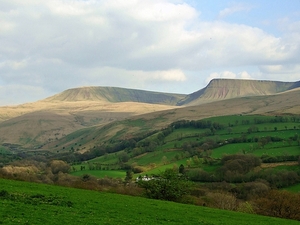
(245, 75)
(283, 72)
(234, 9)
(169, 75)
(54, 45)
(229, 75)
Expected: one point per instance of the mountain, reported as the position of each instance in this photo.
(220, 89)
(49, 120)
(114, 95)
(285, 103)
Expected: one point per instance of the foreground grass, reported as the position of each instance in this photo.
(90, 207)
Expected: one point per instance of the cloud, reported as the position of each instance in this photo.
(170, 75)
(229, 75)
(55, 45)
(234, 9)
(283, 72)
(138, 35)
(245, 75)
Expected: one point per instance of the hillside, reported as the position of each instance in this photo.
(114, 94)
(76, 206)
(220, 89)
(42, 122)
(284, 103)
(48, 120)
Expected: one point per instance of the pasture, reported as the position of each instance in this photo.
(262, 136)
(31, 203)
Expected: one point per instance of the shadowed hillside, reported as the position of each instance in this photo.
(220, 89)
(40, 122)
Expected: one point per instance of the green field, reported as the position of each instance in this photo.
(182, 143)
(240, 148)
(294, 188)
(101, 173)
(31, 203)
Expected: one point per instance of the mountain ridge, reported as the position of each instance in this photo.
(115, 94)
(44, 121)
(220, 89)
(216, 90)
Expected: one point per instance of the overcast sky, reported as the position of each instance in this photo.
(161, 45)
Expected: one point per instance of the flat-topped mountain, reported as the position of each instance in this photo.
(115, 94)
(220, 89)
(216, 90)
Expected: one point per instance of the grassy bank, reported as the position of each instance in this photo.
(31, 203)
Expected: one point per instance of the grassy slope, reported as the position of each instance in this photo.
(90, 207)
(287, 103)
(183, 135)
(178, 137)
(43, 122)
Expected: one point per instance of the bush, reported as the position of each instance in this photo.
(169, 186)
(222, 200)
(281, 204)
(59, 166)
(252, 190)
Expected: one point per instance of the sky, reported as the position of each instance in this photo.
(171, 46)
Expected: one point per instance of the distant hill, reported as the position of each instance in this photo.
(285, 103)
(220, 89)
(48, 120)
(115, 94)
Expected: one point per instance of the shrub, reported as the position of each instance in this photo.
(169, 186)
(222, 200)
(59, 166)
(281, 204)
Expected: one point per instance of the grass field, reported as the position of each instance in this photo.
(173, 149)
(27, 205)
(294, 188)
(272, 150)
(101, 173)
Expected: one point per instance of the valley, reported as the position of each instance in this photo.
(238, 139)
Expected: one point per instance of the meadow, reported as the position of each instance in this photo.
(31, 203)
(101, 173)
(234, 134)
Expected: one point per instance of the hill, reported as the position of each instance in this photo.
(41, 122)
(114, 94)
(31, 203)
(279, 104)
(220, 89)
(35, 124)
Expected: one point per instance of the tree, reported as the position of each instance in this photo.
(181, 168)
(281, 204)
(129, 175)
(169, 186)
(196, 160)
(164, 160)
(123, 157)
(59, 166)
(222, 200)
